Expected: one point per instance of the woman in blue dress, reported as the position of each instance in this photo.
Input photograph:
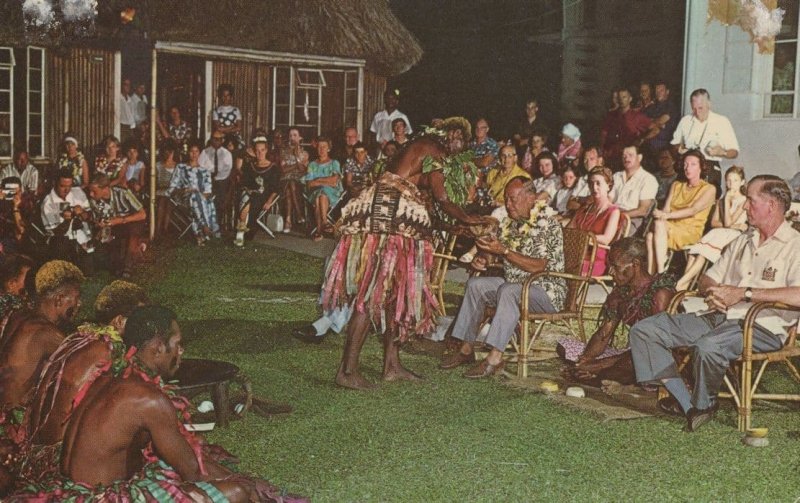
(323, 186)
(193, 182)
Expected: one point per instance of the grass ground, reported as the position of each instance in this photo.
(446, 439)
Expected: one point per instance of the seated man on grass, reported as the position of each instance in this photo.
(637, 294)
(126, 439)
(530, 241)
(761, 265)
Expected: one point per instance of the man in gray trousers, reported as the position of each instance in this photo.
(761, 265)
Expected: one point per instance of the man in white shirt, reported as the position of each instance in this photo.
(761, 265)
(127, 119)
(634, 188)
(24, 170)
(709, 132)
(382, 122)
(65, 215)
(139, 104)
(219, 162)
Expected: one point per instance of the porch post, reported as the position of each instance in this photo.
(153, 129)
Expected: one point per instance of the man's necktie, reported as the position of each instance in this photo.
(216, 164)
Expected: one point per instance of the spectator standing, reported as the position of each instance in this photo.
(710, 133)
(218, 161)
(127, 117)
(139, 105)
(382, 122)
(177, 129)
(226, 117)
(622, 127)
(665, 116)
(527, 126)
(12, 222)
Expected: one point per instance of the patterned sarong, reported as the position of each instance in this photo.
(383, 260)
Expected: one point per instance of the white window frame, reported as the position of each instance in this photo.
(296, 83)
(41, 134)
(10, 68)
(346, 107)
(768, 74)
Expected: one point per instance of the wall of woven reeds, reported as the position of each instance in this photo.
(374, 87)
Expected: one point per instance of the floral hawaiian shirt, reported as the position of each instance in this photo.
(539, 237)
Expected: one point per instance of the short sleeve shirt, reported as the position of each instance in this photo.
(550, 184)
(628, 192)
(382, 125)
(226, 115)
(122, 203)
(716, 130)
(772, 264)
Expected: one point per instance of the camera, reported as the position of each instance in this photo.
(10, 190)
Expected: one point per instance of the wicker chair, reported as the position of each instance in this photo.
(742, 388)
(606, 281)
(441, 261)
(578, 245)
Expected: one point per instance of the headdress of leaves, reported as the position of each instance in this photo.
(460, 174)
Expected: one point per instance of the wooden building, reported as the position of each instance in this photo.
(317, 64)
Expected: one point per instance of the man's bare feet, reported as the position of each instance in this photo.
(401, 374)
(612, 388)
(354, 380)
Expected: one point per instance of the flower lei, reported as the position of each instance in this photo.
(457, 179)
(513, 231)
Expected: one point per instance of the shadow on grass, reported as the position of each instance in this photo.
(240, 336)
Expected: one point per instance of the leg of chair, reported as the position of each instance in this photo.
(746, 395)
(522, 353)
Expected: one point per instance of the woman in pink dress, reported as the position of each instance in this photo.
(600, 216)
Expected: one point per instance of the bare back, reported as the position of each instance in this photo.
(23, 354)
(113, 423)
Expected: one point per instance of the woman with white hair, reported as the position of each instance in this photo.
(569, 150)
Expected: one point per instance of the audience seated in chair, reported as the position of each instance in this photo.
(260, 187)
(358, 170)
(527, 246)
(634, 188)
(761, 265)
(599, 216)
(636, 295)
(165, 168)
(192, 183)
(683, 217)
(546, 181)
(728, 221)
(323, 187)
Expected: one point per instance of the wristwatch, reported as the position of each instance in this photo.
(748, 294)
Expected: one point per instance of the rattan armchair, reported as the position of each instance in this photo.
(442, 257)
(744, 385)
(578, 245)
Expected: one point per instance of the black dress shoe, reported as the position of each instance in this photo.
(695, 418)
(308, 334)
(670, 406)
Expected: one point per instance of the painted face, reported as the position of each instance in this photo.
(692, 168)
(733, 182)
(591, 159)
(568, 179)
(598, 186)
(351, 137)
(508, 156)
(620, 268)
(700, 107)
(546, 167)
(625, 99)
(63, 187)
(630, 159)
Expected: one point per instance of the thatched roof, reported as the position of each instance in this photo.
(364, 29)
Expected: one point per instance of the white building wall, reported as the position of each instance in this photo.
(722, 60)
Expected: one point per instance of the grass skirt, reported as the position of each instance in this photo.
(381, 265)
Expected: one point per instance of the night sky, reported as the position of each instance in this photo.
(478, 60)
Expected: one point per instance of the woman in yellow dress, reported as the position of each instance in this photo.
(681, 221)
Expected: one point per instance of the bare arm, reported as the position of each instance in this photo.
(641, 210)
(611, 229)
(161, 422)
(493, 246)
(85, 173)
(705, 200)
(440, 194)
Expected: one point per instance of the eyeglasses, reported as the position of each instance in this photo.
(508, 155)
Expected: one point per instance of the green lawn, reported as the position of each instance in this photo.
(446, 439)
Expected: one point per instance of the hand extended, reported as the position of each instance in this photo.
(479, 263)
(721, 297)
(490, 244)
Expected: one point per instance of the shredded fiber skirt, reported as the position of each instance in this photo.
(382, 262)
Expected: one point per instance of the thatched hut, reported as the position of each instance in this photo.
(316, 63)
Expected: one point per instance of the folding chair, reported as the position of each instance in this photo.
(180, 217)
(741, 384)
(261, 219)
(329, 216)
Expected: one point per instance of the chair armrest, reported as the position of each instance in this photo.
(750, 320)
(524, 297)
(677, 299)
(445, 257)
